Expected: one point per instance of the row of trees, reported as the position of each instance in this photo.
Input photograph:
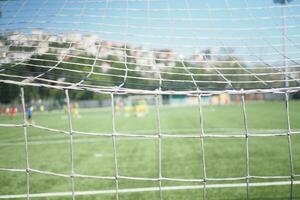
(76, 69)
(115, 75)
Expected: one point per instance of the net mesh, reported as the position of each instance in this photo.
(151, 44)
(153, 47)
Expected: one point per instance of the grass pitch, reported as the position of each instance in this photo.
(181, 157)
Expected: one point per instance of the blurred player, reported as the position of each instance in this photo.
(13, 111)
(42, 108)
(117, 109)
(29, 111)
(128, 108)
(121, 105)
(68, 109)
(65, 108)
(141, 108)
(6, 110)
(75, 111)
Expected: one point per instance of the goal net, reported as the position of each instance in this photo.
(154, 59)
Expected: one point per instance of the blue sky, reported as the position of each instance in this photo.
(182, 25)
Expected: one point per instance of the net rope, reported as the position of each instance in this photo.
(114, 135)
(146, 64)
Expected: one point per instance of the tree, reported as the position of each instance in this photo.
(8, 92)
(282, 1)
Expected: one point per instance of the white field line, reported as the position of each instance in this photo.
(34, 139)
(51, 139)
(65, 141)
(147, 189)
(56, 139)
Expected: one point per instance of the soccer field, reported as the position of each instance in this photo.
(49, 151)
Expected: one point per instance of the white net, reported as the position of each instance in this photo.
(191, 48)
(151, 44)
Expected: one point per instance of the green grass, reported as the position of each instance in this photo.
(181, 158)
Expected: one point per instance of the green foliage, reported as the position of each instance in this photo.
(8, 92)
(21, 48)
(59, 44)
(181, 77)
(282, 1)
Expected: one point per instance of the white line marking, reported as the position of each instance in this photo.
(148, 189)
(64, 141)
(57, 139)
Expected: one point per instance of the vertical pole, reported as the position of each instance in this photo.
(26, 143)
(246, 146)
(159, 145)
(71, 143)
(289, 131)
(202, 146)
(115, 145)
(284, 38)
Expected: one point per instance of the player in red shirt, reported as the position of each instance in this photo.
(6, 110)
(13, 111)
